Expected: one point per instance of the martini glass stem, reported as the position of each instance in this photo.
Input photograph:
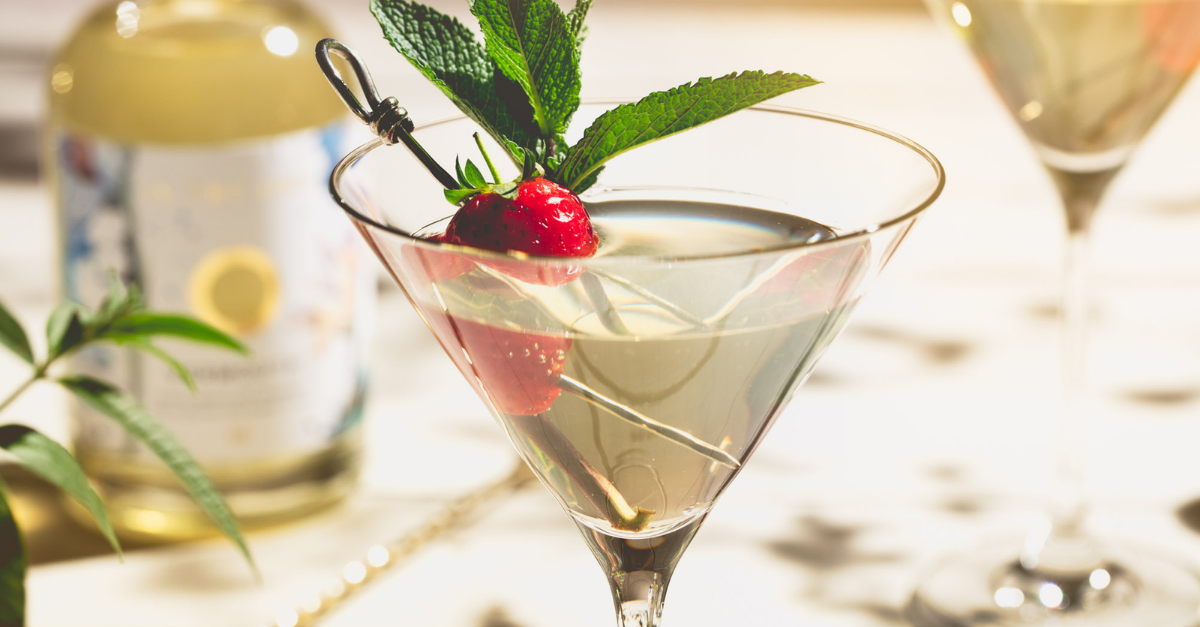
(639, 569)
(1064, 546)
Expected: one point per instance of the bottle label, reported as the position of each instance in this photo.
(245, 237)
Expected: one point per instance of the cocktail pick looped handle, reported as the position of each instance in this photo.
(386, 117)
(381, 115)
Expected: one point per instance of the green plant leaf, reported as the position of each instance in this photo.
(447, 53)
(589, 180)
(534, 45)
(146, 324)
(455, 196)
(116, 298)
(575, 19)
(508, 190)
(474, 176)
(50, 461)
(13, 336)
(458, 174)
(666, 113)
(127, 412)
(13, 564)
(64, 328)
(528, 166)
(179, 369)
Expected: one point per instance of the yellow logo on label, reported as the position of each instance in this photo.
(235, 289)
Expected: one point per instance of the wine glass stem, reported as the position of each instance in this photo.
(1071, 462)
(1065, 547)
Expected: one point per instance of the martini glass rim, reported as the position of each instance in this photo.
(351, 158)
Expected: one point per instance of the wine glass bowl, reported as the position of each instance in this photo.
(636, 383)
(1085, 80)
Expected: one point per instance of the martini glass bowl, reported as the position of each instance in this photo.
(637, 383)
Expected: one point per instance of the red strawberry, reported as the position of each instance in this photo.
(518, 370)
(820, 275)
(544, 219)
(438, 265)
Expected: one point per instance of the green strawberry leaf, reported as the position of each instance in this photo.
(126, 411)
(529, 167)
(534, 45)
(145, 324)
(13, 564)
(13, 337)
(666, 113)
(474, 176)
(508, 190)
(50, 461)
(455, 196)
(458, 174)
(447, 53)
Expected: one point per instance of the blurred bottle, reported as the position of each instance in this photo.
(189, 146)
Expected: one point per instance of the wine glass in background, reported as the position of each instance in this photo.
(1085, 79)
(636, 383)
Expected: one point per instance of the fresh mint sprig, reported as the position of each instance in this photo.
(666, 113)
(447, 53)
(522, 85)
(120, 319)
(534, 45)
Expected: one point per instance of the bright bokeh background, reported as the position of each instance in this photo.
(927, 425)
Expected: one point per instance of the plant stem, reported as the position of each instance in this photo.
(487, 159)
(38, 374)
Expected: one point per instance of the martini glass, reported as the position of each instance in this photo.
(637, 383)
(1085, 79)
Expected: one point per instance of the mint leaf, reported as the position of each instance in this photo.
(50, 461)
(588, 180)
(534, 45)
(575, 19)
(12, 565)
(446, 52)
(666, 113)
(126, 411)
(13, 336)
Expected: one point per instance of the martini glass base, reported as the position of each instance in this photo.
(990, 587)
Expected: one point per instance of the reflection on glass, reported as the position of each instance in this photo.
(127, 19)
(281, 40)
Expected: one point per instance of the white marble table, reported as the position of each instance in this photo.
(926, 427)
